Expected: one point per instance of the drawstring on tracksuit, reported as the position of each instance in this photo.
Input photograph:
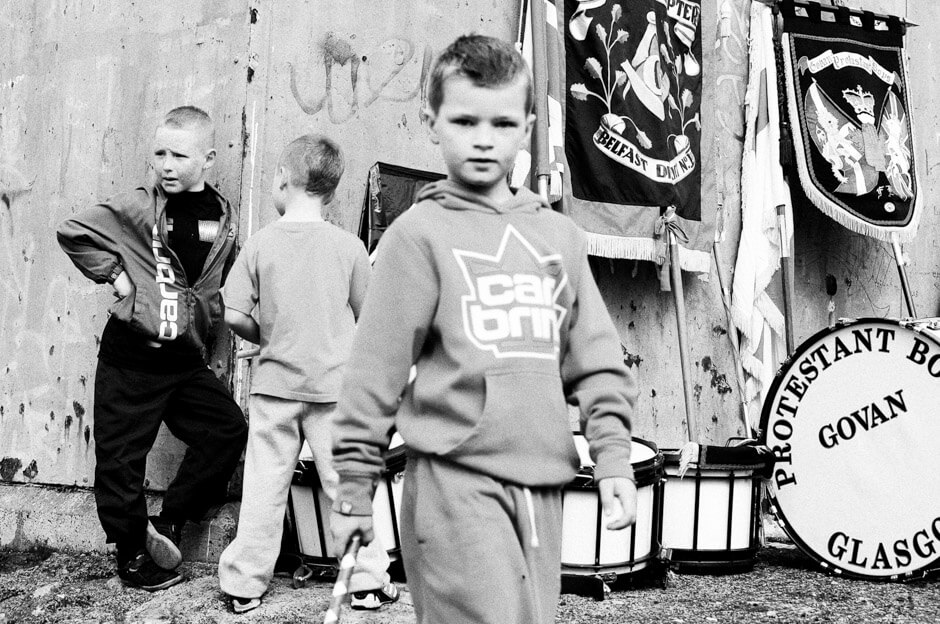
(531, 509)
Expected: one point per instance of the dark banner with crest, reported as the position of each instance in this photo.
(849, 106)
(633, 78)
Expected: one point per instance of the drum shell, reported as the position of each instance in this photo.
(588, 547)
(310, 507)
(710, 516)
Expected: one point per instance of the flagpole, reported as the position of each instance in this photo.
(540, 88)
(901, 262)
(786, 262)
(675, 270)
(733, 339)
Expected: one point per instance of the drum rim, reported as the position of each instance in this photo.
(827, 566)
(580, 569)
(645, 473)
(671, 458)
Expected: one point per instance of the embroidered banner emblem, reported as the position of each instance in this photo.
(848, 105)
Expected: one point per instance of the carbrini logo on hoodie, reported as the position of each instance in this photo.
(511, 309)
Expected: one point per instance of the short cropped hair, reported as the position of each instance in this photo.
(191, 117)
(487, 61)
(314, 163)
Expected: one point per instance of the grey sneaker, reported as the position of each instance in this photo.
(375, 598)
(163, 542)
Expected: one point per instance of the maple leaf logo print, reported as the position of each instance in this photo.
(511, 309)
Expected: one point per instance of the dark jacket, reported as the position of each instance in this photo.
(128, 233)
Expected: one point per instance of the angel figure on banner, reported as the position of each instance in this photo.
(897, 137)
(857, 151)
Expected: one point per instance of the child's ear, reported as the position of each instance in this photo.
(428, 116)
(210, 159)
(529, 124)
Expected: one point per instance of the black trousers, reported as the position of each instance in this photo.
(129, 407)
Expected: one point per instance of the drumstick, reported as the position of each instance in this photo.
(341, 587)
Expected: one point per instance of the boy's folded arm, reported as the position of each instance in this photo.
(598, 382)
(92, 240)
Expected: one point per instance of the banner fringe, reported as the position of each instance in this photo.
(639, 248)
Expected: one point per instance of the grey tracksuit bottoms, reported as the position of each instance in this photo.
(479, 550)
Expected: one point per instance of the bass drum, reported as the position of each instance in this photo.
(852, 419)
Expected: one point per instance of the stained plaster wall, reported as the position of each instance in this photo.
(82, 84)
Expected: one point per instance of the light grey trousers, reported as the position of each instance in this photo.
(477, 550)
(276, 431)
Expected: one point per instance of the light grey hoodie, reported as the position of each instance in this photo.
(497, 308)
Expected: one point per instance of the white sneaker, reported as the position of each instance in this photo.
(241, 605)
(374, 598)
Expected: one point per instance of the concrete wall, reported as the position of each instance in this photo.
(83, 83)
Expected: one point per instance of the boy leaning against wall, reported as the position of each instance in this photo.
(164, 249)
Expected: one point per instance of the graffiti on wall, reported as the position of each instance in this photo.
(355, 79)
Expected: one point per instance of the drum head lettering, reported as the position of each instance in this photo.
(853, 419)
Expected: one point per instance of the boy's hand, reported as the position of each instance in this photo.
(123, 287)
(342, 528)
(618, 494)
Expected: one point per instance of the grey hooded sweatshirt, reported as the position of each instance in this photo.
(496, 307)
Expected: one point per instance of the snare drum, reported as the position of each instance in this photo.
(710, 515)
(587, 546)
(311, 507)
(852, 418)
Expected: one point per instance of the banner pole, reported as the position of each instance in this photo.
(786, 262)
(676, 273)
(540, 87)
(905, 286)
(733, 339)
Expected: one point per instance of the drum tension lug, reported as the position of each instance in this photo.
(603, 585)
(301, 575)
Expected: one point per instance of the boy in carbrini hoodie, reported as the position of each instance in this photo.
(488, 293)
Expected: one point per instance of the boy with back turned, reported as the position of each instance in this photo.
(295, 289)
(164, 249)
(488, 292)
